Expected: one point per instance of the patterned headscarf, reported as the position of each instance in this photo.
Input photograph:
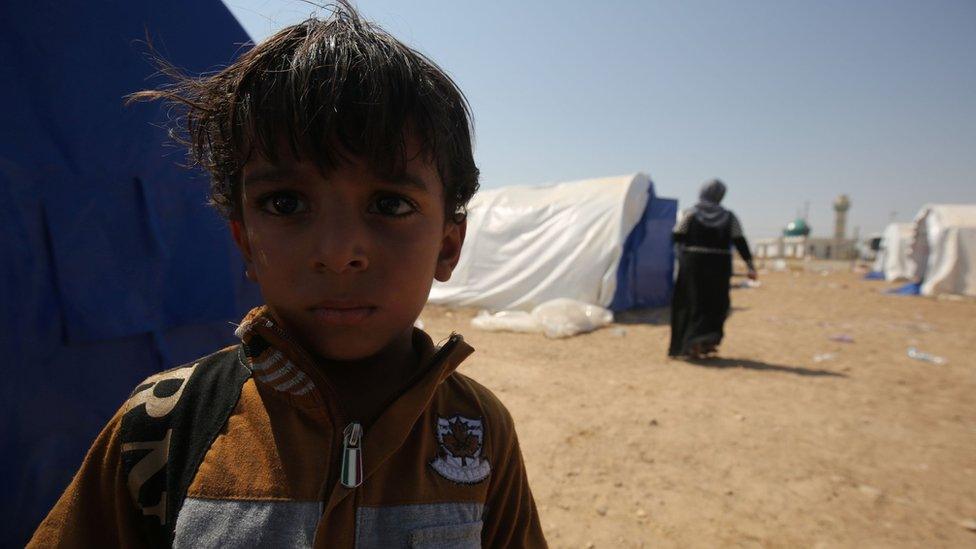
(708, 212)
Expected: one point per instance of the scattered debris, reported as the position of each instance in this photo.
(601, 510)
(618, 332)
(925, 357)
(653, 423)
(842, 338)
(876, 494)
(641, 513)
(824, 357)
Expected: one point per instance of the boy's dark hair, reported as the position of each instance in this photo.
(315, 85)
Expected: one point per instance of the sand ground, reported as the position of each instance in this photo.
(766, 447)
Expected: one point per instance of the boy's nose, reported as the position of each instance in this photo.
(341, 248)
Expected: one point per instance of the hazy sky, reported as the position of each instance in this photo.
(787, 101)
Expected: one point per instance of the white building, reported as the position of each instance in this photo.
(796, 242)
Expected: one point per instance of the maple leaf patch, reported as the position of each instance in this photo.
(460, 442)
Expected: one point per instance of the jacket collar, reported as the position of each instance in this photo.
(280, 363)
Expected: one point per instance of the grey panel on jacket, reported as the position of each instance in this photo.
(427, 526)
(227, 523)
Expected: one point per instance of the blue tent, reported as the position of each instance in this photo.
(645, 276)
(114, 267)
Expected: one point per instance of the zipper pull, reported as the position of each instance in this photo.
(351, 474)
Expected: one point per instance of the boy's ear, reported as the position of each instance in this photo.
(450, 250)
(239, 233)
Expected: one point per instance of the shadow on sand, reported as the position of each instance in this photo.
(657, 316)
(756, 365)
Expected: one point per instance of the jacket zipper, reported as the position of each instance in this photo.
(351, 469)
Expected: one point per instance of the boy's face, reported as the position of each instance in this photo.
(346, 260)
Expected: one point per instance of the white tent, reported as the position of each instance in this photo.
(894, 257)
(526, 245)
(944, 249)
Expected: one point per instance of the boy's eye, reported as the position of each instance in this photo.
(393, 206)
(283, 204)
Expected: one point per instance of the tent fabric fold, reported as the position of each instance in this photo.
(603, 241)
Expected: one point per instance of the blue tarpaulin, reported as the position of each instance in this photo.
(911, 288)
(114, 267)
(645, 276)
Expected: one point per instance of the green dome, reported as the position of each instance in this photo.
(797, 227)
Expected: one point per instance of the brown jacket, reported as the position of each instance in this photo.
(441, 466)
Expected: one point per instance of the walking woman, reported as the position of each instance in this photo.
(704, 237)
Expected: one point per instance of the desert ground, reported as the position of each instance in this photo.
(789, 439)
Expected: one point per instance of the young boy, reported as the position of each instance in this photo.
(343, 161)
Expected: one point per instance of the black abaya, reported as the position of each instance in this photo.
(700, 302)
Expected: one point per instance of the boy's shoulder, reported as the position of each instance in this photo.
(166, 426)
(460, 396)
(463, 387)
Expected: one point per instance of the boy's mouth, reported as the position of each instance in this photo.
(340, 313)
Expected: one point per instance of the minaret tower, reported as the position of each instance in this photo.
(841, 205)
